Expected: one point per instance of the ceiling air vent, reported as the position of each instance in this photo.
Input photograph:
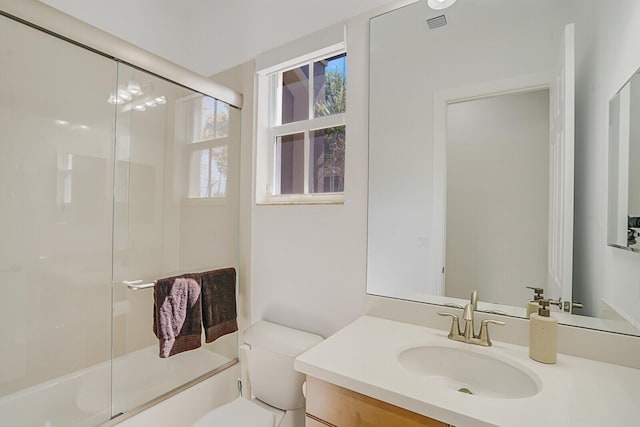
(438, 21)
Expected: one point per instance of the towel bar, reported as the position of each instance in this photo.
(138, 284)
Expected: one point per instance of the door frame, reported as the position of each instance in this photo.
(441, 100)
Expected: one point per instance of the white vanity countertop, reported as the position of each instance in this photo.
(575, 392)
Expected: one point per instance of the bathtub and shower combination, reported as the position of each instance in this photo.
(115, 166)
(84, 398)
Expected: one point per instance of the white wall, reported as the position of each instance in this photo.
(308, 260)
(241, 78)
(497, 196)
(609, 58)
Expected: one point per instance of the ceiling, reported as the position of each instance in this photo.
(209, 36)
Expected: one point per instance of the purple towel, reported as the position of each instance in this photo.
(177, 314)
(219, 303)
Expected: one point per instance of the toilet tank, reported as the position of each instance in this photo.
(273, 349)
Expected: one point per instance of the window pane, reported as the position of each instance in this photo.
(329, 85)
(326, 172)
(210, 119)
(207, 119)
(222, 119)
(219, 163)
(289, 167)
(199, 174)
(295, 95)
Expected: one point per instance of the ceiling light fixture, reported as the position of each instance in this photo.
(161, 100)
(140, 107)
(124, 95)
(440, 4)
(115, 100)
(134, 88)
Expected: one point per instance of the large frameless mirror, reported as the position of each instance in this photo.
(474, 157)
(623, 227)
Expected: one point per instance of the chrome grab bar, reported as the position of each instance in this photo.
(136, 285)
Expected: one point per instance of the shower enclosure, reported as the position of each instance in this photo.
(108, 174)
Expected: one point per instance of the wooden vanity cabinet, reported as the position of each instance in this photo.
(331, 405)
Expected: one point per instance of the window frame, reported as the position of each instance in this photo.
(270, 86)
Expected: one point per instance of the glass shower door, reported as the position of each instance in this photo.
(56, 157)
(108, 174)
(162, 224)
(144, 232)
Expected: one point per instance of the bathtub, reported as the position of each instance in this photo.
(83, 398)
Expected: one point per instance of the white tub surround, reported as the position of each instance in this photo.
(363, 357)
(88, 397)
(188, 406)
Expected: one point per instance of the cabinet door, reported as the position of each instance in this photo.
(345, 408)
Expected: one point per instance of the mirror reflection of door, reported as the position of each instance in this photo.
(497, 217)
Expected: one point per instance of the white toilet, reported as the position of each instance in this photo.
(277, 387)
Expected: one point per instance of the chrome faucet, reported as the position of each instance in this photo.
(468, 335)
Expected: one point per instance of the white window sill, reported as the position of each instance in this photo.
(304, 199)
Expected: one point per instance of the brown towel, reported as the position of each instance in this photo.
(219, 303)
(177, 314)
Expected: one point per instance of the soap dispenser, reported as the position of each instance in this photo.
(543, 335)
(532, 305)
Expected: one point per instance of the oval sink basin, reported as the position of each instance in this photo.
(471, 372)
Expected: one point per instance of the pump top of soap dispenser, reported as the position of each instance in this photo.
(537, 293)
(544, 308)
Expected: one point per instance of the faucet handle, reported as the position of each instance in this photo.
(455, 324)
(484, 330)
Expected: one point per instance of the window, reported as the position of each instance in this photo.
(207, 147)
(305, 140)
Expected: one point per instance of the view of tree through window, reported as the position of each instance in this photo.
(327, 160)
(209, 158)
(214, 121)
(330, 77)
(322, 141)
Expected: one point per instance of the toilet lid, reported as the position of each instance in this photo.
(239, 413)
